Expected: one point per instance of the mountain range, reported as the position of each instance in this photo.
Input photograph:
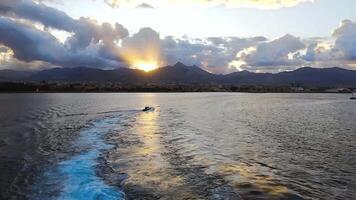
(182, 74)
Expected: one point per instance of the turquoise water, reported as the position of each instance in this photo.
(79, 172)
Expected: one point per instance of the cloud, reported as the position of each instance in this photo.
(260, 4)
(30, 44)
(88, 38)
(144, 46)
(214, 53)
(345, 41)
(88, 31)
(290, 52)
(343, 49)
(4, 49)
(278, 52)
(263, 4)
(112, 3)
(26, 31)
(5, 55)
(85, 30)
(145, 6)
(106, 45)
(39, 12)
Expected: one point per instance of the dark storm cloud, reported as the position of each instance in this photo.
(39, 12)
(85, 30)
(30, 44)
(6, 5)
(109, 45)
(95, 41)
(94, 44)
(89, 31)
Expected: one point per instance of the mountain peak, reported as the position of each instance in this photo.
(179, 64)
(182, 74)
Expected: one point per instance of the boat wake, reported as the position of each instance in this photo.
(79, 172)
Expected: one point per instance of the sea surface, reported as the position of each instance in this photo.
(191, 146)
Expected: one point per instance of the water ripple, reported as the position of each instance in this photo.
(79, 172)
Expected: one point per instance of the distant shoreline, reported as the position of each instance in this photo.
(98, 87)
(170, 92)
(128, 92)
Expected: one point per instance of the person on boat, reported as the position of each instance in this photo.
(147, 108)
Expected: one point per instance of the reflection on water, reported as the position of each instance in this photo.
(139, 153)
(146, 129)
(249, 179)
(192, 146)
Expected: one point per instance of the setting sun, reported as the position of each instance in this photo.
(145, 66)
(177, 99)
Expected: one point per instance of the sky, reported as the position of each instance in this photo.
(220, 36)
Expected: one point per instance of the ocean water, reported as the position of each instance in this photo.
(192, 146)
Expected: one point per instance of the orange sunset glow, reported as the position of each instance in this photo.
(178, 99)
(145, 65)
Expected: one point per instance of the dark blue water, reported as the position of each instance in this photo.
(192, 146)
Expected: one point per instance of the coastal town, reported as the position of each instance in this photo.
(53, 86)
